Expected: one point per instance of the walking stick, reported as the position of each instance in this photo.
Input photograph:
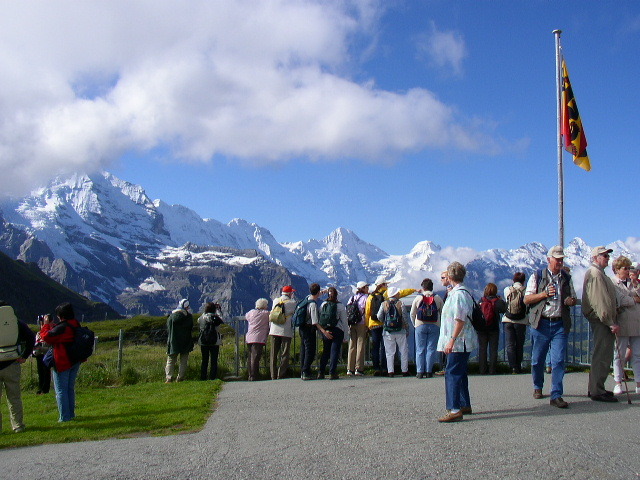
(624, 377)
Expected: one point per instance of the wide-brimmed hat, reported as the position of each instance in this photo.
(184, 304)
(391, 291)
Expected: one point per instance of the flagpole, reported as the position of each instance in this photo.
(559, 130)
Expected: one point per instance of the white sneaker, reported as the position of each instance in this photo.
(618, 389)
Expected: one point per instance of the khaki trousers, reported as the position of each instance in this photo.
(10, 383)
(601, 358)
(279, 361)
(357, 342)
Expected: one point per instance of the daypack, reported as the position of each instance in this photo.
(477, 317)
(376, 301)
(393, 318)
(277, 315)
(209, 335)
(329, 315)
(10, 349)
(82, 346)
(354, 315)
(488, 307)
(300, 314)
(516, 309)
(427, 310)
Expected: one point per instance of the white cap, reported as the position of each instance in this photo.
(360, 285)
(184, 303)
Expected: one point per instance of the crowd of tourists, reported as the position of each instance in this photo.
(447, 330)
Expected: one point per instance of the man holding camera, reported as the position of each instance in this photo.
(549, 295)
(16, 344)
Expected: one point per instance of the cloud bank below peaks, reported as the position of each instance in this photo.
(261, 82)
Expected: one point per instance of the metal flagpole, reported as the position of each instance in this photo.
(559, 129)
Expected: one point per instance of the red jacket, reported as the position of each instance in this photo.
(59, 335)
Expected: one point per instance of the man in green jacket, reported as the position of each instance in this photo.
(600, 308)
(179, 340)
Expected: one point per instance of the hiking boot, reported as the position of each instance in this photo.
(349, 373)
(420, 375)
(603, 397)
(537, 394)
(320, 376)
(334, 376)
(466, 410)
(451, 417)
(558, 402)
(428, 375)
(405, 374)
(306, 377)
(391, 374)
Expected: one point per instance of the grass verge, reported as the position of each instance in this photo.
(145, 409)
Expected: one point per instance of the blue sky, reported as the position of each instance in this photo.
(402, 121)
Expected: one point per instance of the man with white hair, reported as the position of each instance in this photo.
(281, 335)
(600, 307)
(549, 295)
(179, 340)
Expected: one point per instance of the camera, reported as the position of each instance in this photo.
(40, 319)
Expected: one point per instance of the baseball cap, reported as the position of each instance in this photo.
(360, 285)
(391, 291)
(288, 289)
(600, 250)
(556, 252)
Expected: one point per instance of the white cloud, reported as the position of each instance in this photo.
(259, 81)
(446, 50)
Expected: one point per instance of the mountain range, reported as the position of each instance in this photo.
(104, 238)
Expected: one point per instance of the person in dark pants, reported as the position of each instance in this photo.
(488, 337)
(308, 333)
(44, 372)
(333, 335)
(515, 322)
(209, 340)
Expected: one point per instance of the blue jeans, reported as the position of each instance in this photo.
(331, 349)
(456, 380)
(307, 347)
(426, 343)
(377, 348)
(549, 336)
(65, 385)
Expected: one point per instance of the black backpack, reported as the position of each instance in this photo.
(329, 315)
(427, 310)
(477, 317)
(393, 318)
(82, 346)
(354, 315)
(376, 301)
(209, 335)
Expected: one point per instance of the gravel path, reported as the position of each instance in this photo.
(367, 428)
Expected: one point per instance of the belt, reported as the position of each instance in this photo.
(552, 319)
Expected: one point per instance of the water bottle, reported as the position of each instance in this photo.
(555, 285)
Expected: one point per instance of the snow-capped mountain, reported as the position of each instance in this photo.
(105, 238)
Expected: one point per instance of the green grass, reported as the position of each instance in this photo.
(145, 409)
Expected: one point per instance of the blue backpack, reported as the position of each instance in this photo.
(427, 310)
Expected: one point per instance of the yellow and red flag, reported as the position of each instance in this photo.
(575, 141)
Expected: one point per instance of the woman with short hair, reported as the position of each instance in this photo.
(457, 340)
(629, 322)
(256, 337)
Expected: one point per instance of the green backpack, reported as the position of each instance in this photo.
(329, 315)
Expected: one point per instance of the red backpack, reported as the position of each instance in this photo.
(488, 306)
